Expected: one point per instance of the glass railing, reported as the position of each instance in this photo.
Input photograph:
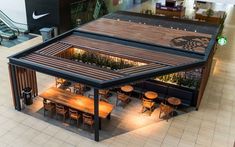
(15, 26)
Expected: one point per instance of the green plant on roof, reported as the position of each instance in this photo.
(103, 60)
(181, 79)
(210, 12)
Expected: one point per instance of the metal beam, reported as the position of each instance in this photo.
(55, 72)
(96, 112)
(103, 84)
(150, 74)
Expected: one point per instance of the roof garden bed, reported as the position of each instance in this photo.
(189, 78)
(98, 59)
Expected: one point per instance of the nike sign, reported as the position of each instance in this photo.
(39, 16)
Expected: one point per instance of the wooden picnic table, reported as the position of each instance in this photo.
(77, 102)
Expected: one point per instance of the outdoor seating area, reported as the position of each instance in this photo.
(111, 82)
(74, 111)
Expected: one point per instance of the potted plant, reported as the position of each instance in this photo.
(209, 12)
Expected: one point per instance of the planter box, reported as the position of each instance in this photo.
(188, 96)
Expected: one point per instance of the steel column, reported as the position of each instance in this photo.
(96, 116)
(14, 87)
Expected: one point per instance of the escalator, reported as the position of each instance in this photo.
(9, 29)
(7, 32)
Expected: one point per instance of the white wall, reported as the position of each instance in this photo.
(15, 9)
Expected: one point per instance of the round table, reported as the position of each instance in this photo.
(175, 102)
(151, 95)
(127, 88)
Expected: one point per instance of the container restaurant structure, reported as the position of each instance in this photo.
(137, 52)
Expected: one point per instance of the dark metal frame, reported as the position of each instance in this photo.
(14, 85)
(16, 60)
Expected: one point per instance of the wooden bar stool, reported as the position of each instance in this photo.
(87, 119)
(123, 98)
(61, 110)
(48, 107)
(74, 115)
(167, 110)
(147, 105)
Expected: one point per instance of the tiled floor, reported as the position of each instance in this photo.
(213, 125)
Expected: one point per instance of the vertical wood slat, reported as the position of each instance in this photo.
(28, 82)
(20, 73)
(19, 81)
(31, 81)
(24, 73)
(24, 78)
(12, 87)
(67, 54)
(35, 82)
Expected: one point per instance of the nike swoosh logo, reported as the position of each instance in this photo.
(39, 16)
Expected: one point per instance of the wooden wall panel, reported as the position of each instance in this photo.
(27, 78)
(12, 87)
(23, 78)
(205, 76)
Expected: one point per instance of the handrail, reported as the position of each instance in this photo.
(10, 23)
(12, 28)
(0, 39)
(2, 13)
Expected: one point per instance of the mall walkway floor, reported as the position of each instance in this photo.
(213, 125)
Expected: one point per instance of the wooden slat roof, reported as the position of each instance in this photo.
(137, 42)
(134, 53)
(72, 67)
(54, 49)
(166, 22)
(139, 69)
(140, 32)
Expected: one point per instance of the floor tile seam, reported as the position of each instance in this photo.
(166, 133)
(214, 131)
